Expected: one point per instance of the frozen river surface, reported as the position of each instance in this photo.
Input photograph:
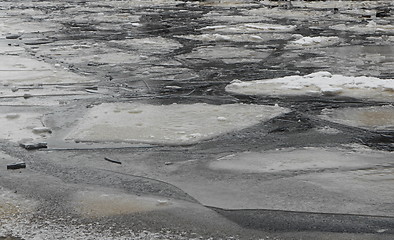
(216, 119)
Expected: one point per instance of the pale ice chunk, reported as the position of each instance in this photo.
(250, 28)
(23, 70)
(374, 118)
(293, 160)
(149, 46)
(20, 126)
(217, 37)
(174, 124)
(370, 27)
(228, 55)
(328, 130)
(323, 83)
(313, 42)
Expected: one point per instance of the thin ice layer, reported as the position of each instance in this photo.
(167, 124)
(291, 160)
(320, 83)
(374, 118)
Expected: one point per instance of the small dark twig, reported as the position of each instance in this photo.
(112, 161)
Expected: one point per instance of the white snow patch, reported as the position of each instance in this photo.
(174, 124)
(328, 130)
(313, 42)
(216, 37)
(375, 118)
(319, 83)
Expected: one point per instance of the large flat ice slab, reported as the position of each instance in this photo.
(349, 180)
(317, 84)
(167, 124)
(373, 118)
(307, 159)
(20, 70)
(19, 125)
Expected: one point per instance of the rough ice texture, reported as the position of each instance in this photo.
(313, 42)
(370, 27)
(320, 83)
(374, 118)
(174, 124)
(216, 37)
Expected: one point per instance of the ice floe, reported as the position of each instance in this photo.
(174, 124)
(319, 41)
(155, 45)
(20, 126)
(318, 84)
(216, 37)
(374, 118)
(250, 28)
(16, 70)
(228, 55)
(305, 159)
(370, 27)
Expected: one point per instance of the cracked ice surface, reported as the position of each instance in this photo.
(167, 124)
(320, 83)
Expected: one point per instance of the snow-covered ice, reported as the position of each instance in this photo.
(320, 41)
(173, 124)
(317, 84)
(256, 38)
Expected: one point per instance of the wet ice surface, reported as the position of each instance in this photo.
(205, 82)
(168, 124)
(375, 118)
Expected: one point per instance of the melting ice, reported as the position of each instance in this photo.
(167, 124)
